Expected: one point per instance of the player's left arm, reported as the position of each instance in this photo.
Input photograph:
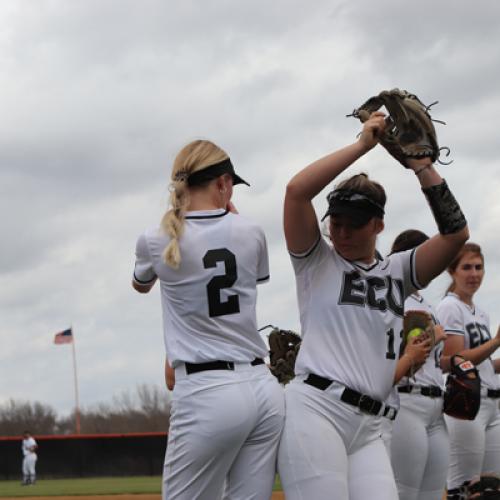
(434, 255)
(454, 344)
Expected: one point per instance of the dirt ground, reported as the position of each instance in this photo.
(277, 495)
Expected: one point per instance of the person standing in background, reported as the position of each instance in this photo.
(29, 448)
(420, 426)
(474, 444)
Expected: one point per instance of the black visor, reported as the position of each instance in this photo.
(358, 206)
(214, 171)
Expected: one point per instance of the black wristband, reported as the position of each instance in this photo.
(445, 208)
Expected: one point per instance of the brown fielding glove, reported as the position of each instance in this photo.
(419, 324)
(409, 132)
(485, 486)
(284, 346)
(462, 396)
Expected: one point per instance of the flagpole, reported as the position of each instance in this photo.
(77, 399)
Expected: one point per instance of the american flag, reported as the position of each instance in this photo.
(64, 337)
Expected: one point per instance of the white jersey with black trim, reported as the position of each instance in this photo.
(29, 446)
(209, 303)
(352, 316)
(473, 325)
(430, 373)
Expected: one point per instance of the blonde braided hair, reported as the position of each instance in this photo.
(193, 157)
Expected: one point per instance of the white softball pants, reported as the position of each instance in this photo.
(330, 450)
(386, 433)
(420, 448)
(224, 426)
(474, 444)
(29, 462)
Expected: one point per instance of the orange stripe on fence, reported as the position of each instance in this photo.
(86, 436)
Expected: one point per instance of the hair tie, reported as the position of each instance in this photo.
(181, 176)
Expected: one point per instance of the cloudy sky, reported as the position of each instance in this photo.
(97, 96)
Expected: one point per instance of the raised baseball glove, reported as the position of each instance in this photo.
(462, 396)
(409, 132)
(284, 346)
(485, 486)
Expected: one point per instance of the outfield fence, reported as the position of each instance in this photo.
(88, 455)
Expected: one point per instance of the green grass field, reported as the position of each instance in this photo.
(87, 486)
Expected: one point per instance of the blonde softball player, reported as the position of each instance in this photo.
(419, 443)
(227, 409)
(351, 303)
(474, 444)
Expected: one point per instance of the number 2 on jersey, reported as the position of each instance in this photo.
(215, 306)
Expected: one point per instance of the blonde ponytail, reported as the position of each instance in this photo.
(193, 157)
(173, 221)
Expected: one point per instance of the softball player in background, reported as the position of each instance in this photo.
(227, 409)
(474, 444)
(419, 445)
(351, 308)
(29, 448)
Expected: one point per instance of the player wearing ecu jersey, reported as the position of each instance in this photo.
(227, 409)
(351, 303)
(474, 444)
(419, 444)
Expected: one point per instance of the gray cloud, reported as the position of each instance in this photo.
(98, 96)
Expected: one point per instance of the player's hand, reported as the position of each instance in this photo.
(231, 208)
(418, 349)
(372, 129)
(169, 376)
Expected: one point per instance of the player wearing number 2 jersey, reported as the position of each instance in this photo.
(351, 304)
(227, 409)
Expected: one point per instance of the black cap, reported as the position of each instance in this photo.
(214, 171)
(358, 206)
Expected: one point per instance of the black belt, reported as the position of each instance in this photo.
(318, 382)
(456, 493)
(362, 401)
(216, 365)
(432, 391)
(493, 393)
(390, 413)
